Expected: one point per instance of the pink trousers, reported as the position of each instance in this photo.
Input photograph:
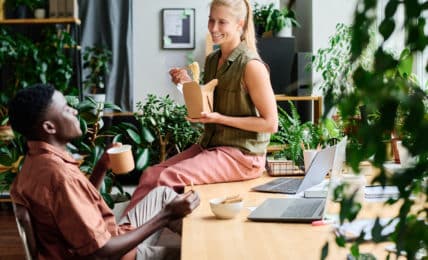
(200, 166)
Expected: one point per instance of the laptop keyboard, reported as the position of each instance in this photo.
(304, 208)
(289, 186)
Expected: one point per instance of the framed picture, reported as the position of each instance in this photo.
(178, 28)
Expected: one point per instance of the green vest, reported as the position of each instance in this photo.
(231, 99)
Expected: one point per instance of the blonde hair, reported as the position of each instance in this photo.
(242, 10)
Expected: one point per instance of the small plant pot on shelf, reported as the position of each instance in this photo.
(100, 99)
(39, 13)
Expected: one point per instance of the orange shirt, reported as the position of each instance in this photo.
(69, 216)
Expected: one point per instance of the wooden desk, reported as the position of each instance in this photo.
(317, 100)
(205, 237)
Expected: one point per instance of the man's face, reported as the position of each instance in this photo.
(63, 118)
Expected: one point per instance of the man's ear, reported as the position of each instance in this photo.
(49, 127)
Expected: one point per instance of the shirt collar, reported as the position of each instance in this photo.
(39, 147)
(237, 51)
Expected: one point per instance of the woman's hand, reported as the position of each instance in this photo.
(206, 118)
(179, 75)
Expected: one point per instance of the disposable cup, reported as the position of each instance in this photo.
(308, 156)
(121, 159)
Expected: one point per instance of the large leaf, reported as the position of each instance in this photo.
(142, 159)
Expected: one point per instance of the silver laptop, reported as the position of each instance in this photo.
(318, 169)
(289, 210)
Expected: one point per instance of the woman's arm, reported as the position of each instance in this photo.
(257, 82)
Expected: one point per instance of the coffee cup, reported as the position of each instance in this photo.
(308, 156)
(121, 159)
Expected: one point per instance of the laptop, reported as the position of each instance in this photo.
(289, 210)
(318, 169)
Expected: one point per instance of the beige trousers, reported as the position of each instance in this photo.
(144, 211)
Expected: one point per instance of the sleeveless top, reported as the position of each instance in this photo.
(232, 99)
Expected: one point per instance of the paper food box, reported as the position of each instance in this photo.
(198, 98)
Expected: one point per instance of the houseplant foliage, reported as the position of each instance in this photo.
(92, 144)
(162, 128)
(268, 18)
(166, 120)
(96, 60)
(24, 62)
(389, 91)
(11, 158)
(295, 134)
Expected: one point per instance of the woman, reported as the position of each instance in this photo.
(233, 146)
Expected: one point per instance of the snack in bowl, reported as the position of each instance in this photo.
(228, 207)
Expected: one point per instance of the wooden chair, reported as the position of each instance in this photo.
(25, 229)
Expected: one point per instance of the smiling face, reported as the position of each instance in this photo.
(223, 26)
(60, 120)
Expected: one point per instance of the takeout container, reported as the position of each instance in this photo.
(198, 98)
(225, 210)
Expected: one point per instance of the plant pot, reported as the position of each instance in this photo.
(39, 13)
(286, 31)
(21, 12)
(100, 99)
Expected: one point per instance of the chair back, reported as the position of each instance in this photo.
(25, 229)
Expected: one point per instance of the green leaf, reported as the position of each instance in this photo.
(324, 251)
(386, 28)
(112, 106)
(391, 8)
(405, 63)
(355, 251)
(142, 159)
(134, 136)
(147, 135)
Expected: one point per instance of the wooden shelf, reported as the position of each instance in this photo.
(61, 20)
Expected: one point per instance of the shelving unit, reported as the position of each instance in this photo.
(74, 24)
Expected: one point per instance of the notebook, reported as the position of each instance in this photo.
(318, 169)
(289, 210)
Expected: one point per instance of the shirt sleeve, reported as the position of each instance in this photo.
(78, 217)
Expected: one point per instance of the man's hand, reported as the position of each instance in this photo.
(183, 204)
(101, 167)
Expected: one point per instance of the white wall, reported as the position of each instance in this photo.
(325, 15)
(151, 62)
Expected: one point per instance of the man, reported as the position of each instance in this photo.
(70, 218)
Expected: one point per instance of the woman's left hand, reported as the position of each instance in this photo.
(206, 117)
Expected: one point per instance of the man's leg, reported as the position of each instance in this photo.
(148, 207)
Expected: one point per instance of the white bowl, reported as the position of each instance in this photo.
(225, 210)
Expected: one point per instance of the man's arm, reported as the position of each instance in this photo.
(178, 208)
(101, 168)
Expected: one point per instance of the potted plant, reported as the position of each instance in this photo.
(96, 60)
(39, 8)
(296, 136)
(162, 128)
(92, 144)
(395, 98)
(269, 20)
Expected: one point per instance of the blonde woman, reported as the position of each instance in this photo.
(236, 135)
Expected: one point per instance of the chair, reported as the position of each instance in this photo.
(25, 229)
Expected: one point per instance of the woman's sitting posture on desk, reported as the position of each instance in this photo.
(237, 132)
